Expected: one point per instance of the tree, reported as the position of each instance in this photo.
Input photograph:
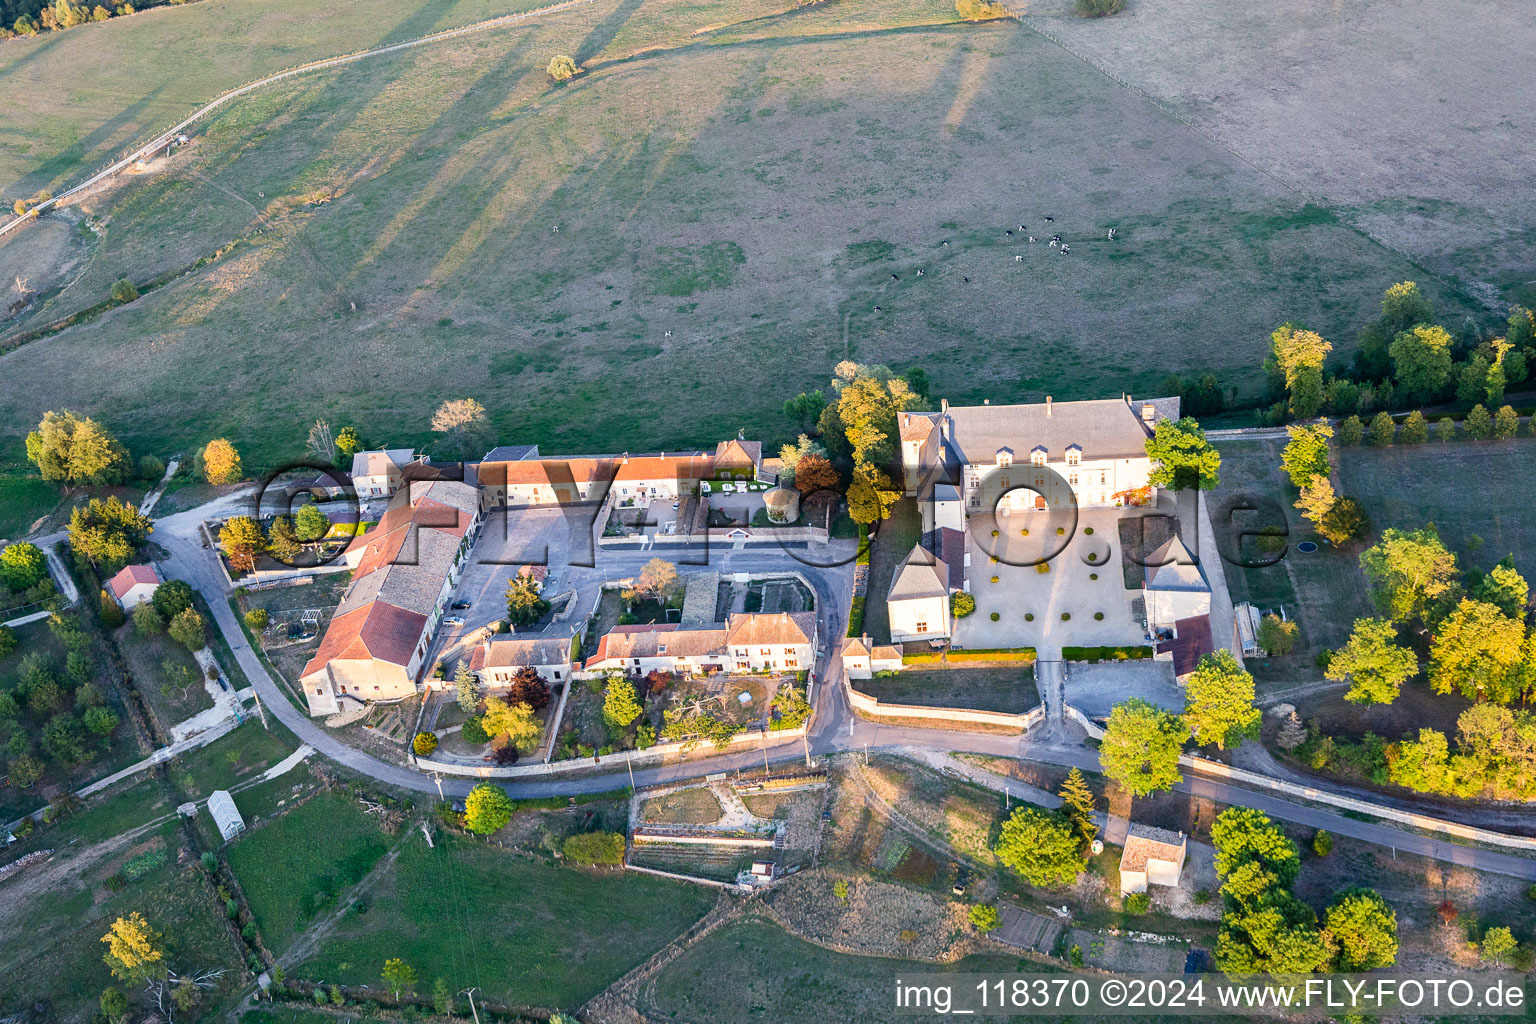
(1415, 429)
(1299, 355)
(1278, 636)
(348, 442)
(514, 722)
(620, 705)
(594, 848)
(221, 462)
(114, 1005)
(562, 68)
(1344, 522)
(869, 397)
(1099, 8)
(171, 598)
(487, 809)
(7, 640)
(1077, 804)
(1040, 846)
(424, 743)
(1218, 701)
(1372, 661)
(320, 444)
(1505, 423)
(1141, 747)
(1317, 499)
(814, 473)
(134, 950)
(528, 687)
(658, 580)
(1382, 429)
(1505, 587)
(462, 423)
(242, 540)
(147, 621)
(311, 523)
(1472, 380)
(24, 771)
(1351, 431)
(1479, 652)
(257, 619)
(1445, 430)
(1306, 455)
(962, 604)
(1243, 835)
(399, 976)
(524, 602)
(22, 566)
(1364, 928)
(1479, 423)
(123, 291)
(108, 532)
(188, 630)
(75, 449)
(283, 539)
(1412, 575)
(1184, 458)
(1497, 945)
(870, 496)
(1421, 361)
(466, 688)
(805, 408)
(1291, 734)
(984, 917)
(442, 998)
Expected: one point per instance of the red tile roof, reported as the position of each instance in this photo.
(132, 576)
(1192, 643)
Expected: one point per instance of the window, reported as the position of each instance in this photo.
(764, 651)
(791, 662)
(921, 627)
(1074, 456)
(661, 648)
(319, 691)
(1037, 456)
(1072, 479)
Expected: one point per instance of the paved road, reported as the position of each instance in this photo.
(164, 138)
(836, 728)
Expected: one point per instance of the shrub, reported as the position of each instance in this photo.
(1093, 556)
(594, 848)
(995, 616)
(1322, 842)
(1138, 903)
(562, 68)
(424, 743)
(1043, 567)
(474, 732)
(257, 619)
(984, 917)
(981, 10)
(1099, 8)
(962, 604)
(1093, 575)
(1098, 616)
(1351, 431)
(1066, 616)
(1061, 531)
(1029, 616)
(994, 579)
(1088, 531)
(123, 291)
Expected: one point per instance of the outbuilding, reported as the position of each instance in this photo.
(226, 816)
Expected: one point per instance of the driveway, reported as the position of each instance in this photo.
(1096, 687)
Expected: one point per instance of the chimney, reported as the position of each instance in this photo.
(741, 434)
(1047, 405)
(986, 401)
(624, 459)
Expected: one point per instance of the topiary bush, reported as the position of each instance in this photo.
(995, 616)
(1060, 531)
(1098, 616)
(1088, 530)
(1093, 575)
(1066, 616)
(994, 579)
(1029, 616)
(962, 604)
(424, 743)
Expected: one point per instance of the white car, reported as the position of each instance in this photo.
(454, 620)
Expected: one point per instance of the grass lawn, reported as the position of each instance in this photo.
(706, 162)
(231, 759)
(146, 657)
(684, 807)
(752, 970)
(297, 865)
(528, 933)
(24, 499)
(1009, 688)
(895, 539)
(50, 949)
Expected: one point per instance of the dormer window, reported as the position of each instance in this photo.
(1005, 456)
(1074, 454)
(1037, 457)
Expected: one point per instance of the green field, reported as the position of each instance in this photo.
(526, 932)
(295, 867)
(1009, 688)
(735, 187)
(23, 500)
(235, 758)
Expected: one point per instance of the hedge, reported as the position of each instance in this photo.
(1105, 653)
(1022, 654)
(856, 617)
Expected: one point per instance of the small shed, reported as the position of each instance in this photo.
(226, 816)
(1152, 856)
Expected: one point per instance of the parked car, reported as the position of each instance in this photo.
(459, 605)
(454, 620)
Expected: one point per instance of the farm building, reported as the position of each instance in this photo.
(1152, 856)
(134, 585)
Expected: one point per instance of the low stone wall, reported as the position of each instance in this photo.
(875, 706)
(1092, 728)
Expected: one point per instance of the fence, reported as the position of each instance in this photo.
(1092, 728)
(875, 706)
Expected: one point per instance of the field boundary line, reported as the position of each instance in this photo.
(167, 136)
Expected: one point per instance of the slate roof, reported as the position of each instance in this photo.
(920, 574)
(735, 452)
(1144, 843)
(511, 453)
(508, 651)
(1105, 429)
(1181, 572)
(378, 461)
(1192, 641)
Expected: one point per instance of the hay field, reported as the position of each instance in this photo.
(734, 188)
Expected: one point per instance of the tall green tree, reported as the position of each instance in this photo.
(1306, 454)
(1479, 652)
(1218, 701)
(1421, 359)
(487, 809)
(466, 689)
(1373, 662)
(76, 450)
(1077, 804)
(805, 408)
(620, 703)
(311, 523)
(22, 565)
(1183, 458)
(1364, 928)
(1040, 846)
(1505, 587)
(1412, 575)
(108, 532)
(1243, 835)
(1141, 747)
(283, 539)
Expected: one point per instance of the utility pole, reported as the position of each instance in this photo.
(765, 751)
(261, 710)
(439, 780)
(471, 993)
(629, 762)
(806, 738)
